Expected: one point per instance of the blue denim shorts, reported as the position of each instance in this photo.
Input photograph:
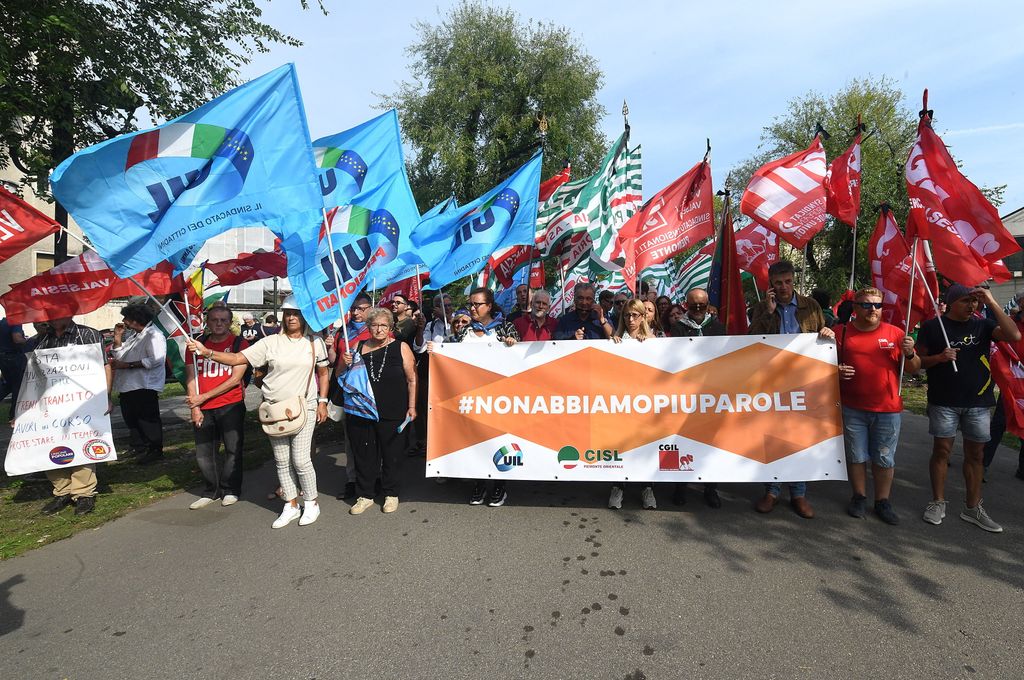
(871, 436)
(944, 421)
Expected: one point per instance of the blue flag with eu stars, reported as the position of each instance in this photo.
(457, 243)
(243, 159)
(370, 213)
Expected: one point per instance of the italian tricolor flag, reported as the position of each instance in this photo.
(176, 140)
(168, 323)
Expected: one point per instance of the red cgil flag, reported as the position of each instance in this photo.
(1008, 373)
(967, 237)
(842, 185)
(756, 249)
(788, 195)
(725, 287)
(891, 269)
(676, 218)
(79, 286)
(410, 288)
(21, 225)
(249, 267)
(548, 186)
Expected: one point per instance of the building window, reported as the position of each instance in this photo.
(44, 262)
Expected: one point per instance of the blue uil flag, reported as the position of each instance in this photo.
(355, 160)
(243, 159)
(457, 243)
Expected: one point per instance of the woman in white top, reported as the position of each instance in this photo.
(633, 325)
(139, 375)
(290, 357)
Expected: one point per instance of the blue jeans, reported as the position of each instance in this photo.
(871, 436)
(796, 489)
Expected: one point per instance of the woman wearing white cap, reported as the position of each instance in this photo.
(291, 357)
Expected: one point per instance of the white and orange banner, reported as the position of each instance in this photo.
(710, 409)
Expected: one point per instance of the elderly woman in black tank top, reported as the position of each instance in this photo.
(377, 445)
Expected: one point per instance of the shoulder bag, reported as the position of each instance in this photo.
(286, 417)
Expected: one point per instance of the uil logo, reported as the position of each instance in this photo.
(354, 255)
(342, 172)
(508, 457)
(483, 218)
(191, 164)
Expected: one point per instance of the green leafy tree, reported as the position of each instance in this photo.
(75, 72)
(891, 130)
(482, 83)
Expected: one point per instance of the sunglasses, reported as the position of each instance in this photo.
(697, 306)
(869, 305)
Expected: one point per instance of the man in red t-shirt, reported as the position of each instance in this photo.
(217, 398)
(870, 352)
(536, 324)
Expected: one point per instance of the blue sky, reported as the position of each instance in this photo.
(720, 69)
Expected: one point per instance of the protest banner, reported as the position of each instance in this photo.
(705, 409)
(60, 419)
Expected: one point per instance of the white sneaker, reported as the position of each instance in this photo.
(978, 517)
(390, 504)
(310, 511)
(615, 498)
(935, 512)
(360, 506)
(230, 499)
(647, 498)
(288, 515)
(200, 503)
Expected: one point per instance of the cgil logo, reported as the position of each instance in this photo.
(570, 456)
(508, 457)
(669, 459)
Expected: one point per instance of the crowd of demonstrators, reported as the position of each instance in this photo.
(487, 323)
(12, 361)
(297, 366)
(870, 353)
(72, 485)
(378, 446)
(998, 424)
(587, 320)
(633, 327)
(139, 370)
(960, 393)
(216, 397)
(785, 311)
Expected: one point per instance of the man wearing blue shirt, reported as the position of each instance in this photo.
(585, 322)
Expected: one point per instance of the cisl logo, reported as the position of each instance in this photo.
(570, 457)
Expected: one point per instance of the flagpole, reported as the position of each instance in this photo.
(337, 282)
(853, 256)
(373, 292)
(803, 277)
(935, 303)
(188, 320)
(910, 308)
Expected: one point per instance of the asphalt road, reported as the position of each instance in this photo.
(553, 585)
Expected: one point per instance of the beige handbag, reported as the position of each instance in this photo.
(286, 417)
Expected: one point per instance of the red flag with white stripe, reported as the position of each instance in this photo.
(21, 225)
(757, 249)
(788, 195)
(842, 185)
(891, 270)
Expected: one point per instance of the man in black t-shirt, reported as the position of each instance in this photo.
(961, 398)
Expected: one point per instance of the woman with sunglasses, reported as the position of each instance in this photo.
(633, 326)
(487, 324)
(377, 445)
(460, 322)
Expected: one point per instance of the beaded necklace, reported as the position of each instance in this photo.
(383, 362)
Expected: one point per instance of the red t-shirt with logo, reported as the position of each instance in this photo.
(211, 374)
(875, 357)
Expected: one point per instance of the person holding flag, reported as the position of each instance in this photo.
(870, 352)
(353, 332)
(955, 350)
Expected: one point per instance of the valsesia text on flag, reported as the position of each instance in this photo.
(459, 243)
(842, 185)
(248, 267)
(673, 220)
(243, 159)
(371, 214)
(21, 225)
(788, 195)
(965, 231)
(575, 204)
(891, 272)
(79, 286)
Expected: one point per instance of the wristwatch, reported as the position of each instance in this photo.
(322, 400)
